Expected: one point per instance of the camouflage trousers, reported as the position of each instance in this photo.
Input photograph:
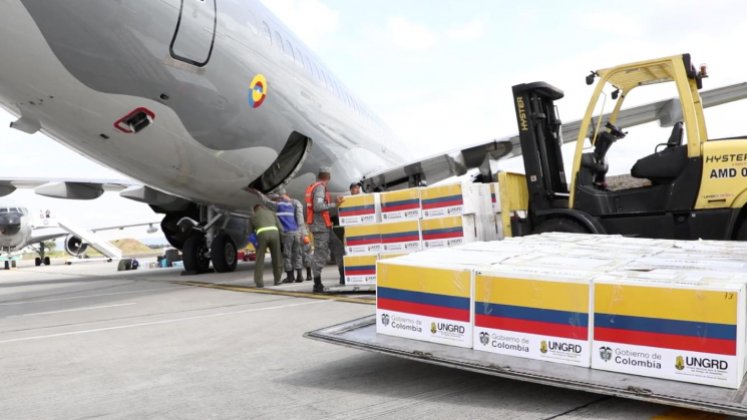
(324, 243)
(292, 258)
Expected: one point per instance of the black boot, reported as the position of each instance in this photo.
(341, 269)
(299, 275)
(308, 274)
(289, 278)
(318, 287)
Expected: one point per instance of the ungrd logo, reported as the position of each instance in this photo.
(699, 362)
(543, 346)
(566, 347)
(605, 353)
(679, 363)
(385, 319)
(433, 328)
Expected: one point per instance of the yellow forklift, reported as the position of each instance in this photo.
(689, 187)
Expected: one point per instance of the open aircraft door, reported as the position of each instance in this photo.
(194, 35)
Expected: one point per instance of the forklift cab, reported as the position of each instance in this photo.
(667, 180)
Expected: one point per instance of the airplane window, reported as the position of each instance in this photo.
(278, 40)
(266, 32)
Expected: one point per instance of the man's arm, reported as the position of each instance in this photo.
(319, 200)
(265, 200)
(300, 220)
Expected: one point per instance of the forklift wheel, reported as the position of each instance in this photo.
(561, 224)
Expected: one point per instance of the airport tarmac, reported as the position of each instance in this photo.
(85, 341)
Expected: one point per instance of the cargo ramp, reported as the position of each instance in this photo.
(361, 334)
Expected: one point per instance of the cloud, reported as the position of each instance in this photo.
(470, 31)
(410, 36)
(311, 20)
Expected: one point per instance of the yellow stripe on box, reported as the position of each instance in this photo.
(555, 295)
(398, 227)
(401, 195)
(361, 230)
(441, 223)
(718, 307)
(442, 191)
(358, 201)
(421, 279)
(359, 260)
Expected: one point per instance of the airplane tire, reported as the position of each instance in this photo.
(560, 224)
(223, 253)
(37, 261)
(194, 255)
(13, 264)
(47, 261)
(7, 265)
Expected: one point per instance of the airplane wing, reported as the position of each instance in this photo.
(458, 162)
(88, 189)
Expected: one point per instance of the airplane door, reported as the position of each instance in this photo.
(195, 32)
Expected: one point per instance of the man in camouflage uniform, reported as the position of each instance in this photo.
(318, 205)
(307, 252)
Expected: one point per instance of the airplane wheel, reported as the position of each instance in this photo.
(223, 254)
(13, 264)
(37, 261)
(195, 255)
(47, 261)
(560, 224)
(7, 265)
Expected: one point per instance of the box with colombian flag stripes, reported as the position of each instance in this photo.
(685, 330)
(400, 205)
(455, 200)
(446, 232)
(400, 237)
(361, 209)
(535, 313)
(360, 269)
(362, 240)
(428, 303)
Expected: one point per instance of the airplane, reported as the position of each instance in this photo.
(198, 100)
(20, 230)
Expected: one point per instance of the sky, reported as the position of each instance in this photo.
(439, 72)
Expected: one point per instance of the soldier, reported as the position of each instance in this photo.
(318, 204)
(267, 227)
(290, 214)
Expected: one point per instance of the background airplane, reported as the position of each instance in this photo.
(196, 99)
(21, 229)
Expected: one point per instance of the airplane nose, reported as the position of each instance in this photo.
(9, 225)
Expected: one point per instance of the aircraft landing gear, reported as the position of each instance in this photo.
(7, 265)
(223, 253)
(42, 258)
(37, 261)
(195, 254)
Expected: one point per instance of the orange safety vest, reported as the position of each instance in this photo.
(310, 205)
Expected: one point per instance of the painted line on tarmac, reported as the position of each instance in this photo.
(161, 322)
(89, 308)
(132, 292)
(245, 289)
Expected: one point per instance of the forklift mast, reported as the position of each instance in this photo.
(540, 136)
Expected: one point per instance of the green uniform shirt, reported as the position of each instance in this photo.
(265, 218)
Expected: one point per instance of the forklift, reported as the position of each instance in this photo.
(690, 187)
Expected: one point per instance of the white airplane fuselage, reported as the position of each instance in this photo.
(15, 229)
(76, 67)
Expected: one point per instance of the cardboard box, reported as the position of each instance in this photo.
(685, 330)
(360, 269)
(400, 237)
(400, 205)
(362, 240)
(534, 313)
(447, 232)
(362, 209)
(455, 200)
(428, 302)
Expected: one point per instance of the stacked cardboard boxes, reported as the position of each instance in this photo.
(665, 309)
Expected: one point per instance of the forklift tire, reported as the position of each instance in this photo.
(741, 234)
(560, 224)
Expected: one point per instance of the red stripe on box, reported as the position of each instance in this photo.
(422, 309)
(667, 341)
(532, 327)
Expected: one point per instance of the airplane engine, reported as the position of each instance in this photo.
(74, 245)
